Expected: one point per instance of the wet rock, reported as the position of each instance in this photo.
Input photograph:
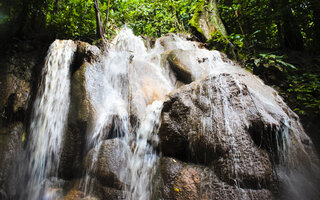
(112, 155)
(80, 112)
(188, 181)
(3, 194)
(17, 66)
(146, 86)
(80, 106)
(10, 144)
(14, 98)
(180, 65)
(74, 195)
(20, 88)
(190, 65)
(169, 170)
(171, 41)
(72, 152)
(210, 122)
(109, 193)
(88, 52)
(148, 41)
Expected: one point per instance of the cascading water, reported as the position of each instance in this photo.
(108, 90)
(142, 163)
(126, 88)
(49, 119)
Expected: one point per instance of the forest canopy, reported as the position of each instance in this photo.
(263, 35)
(251, 24)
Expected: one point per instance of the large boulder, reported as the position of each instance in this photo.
(195, 128)
(190, 65)
(172, 41)
(80, 111)
(188, 181)
(236, 126)
(110, 157)
(81, 105)
(109, 193)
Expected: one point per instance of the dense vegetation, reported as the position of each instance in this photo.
(75, 19)
(277, 39)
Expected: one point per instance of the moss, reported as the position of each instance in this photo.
(206, 19)
(194, 21)
(215, 19)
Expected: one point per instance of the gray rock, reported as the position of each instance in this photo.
(72, 152)
(193, 64)
(80, 112)
(188, 181)
(236, 126)
(10, 147)
(81, 107)
(111, 156)
(109, 193)
(180, 64)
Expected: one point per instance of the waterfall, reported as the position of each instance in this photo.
(49, 118)
(126, 83)
(127, 92)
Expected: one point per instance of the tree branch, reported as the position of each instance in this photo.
(106, 22)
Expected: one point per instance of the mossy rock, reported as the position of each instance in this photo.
(206, 19)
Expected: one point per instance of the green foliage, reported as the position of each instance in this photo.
(72, 19)
(198, 8)
(268, 24)
(268, 59)
(152, 18)
(306, 88)
(76, 18)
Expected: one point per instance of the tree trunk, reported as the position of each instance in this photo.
(107, 19)
(277, 21)
(99, 28)
(291, 33)
(22, 19)
(315, 7)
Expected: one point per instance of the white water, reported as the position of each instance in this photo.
(142, 163)
(49, 118)
(124, 84)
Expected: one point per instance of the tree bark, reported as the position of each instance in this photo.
(315, 7)
(107, 19)
(291, 32)
(99, 28)
(22, 19)
(277, 20)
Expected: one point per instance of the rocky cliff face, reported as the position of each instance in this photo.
(220, 133)
(20, 67)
